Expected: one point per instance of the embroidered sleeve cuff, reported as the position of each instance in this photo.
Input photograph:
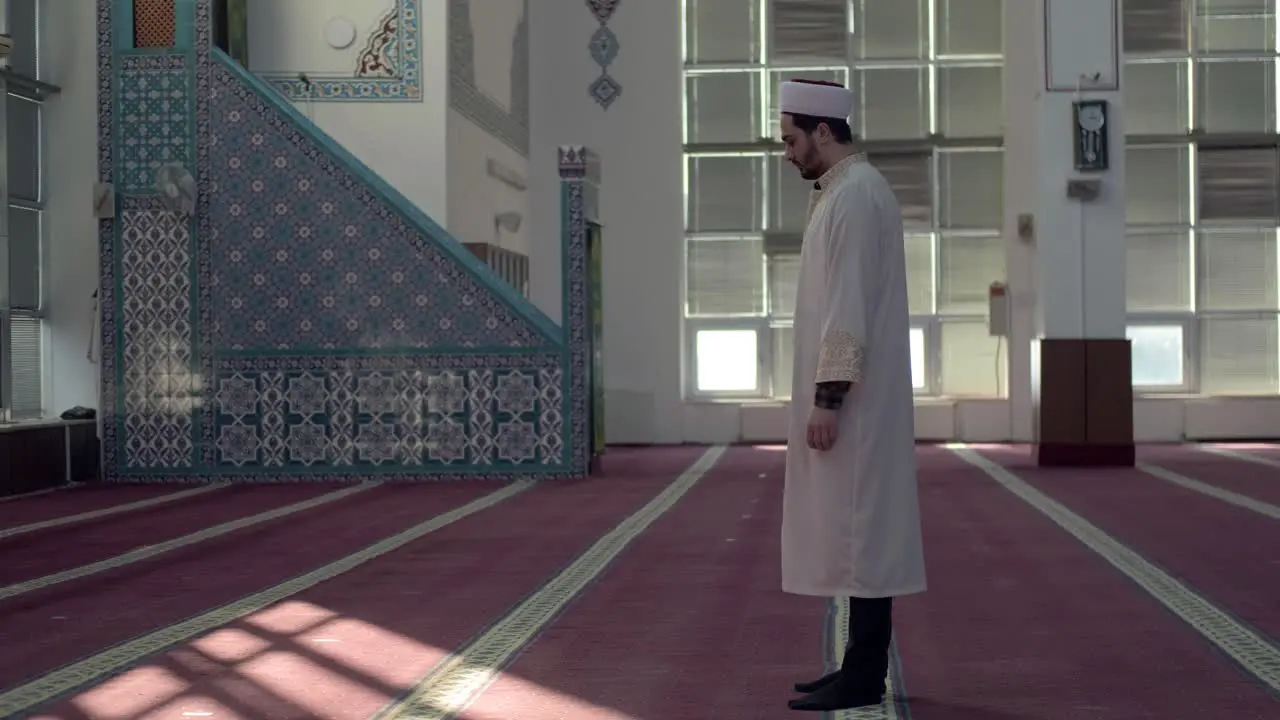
(830, 395)
(840, 358)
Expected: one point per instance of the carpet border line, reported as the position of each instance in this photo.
(1262, 460)
(154, 550)
(1264, 670)
(63, 521)
(35, 493)
(442, 678)
(98, 667)
(1221, 494)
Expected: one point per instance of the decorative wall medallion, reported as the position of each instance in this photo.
(339, 33)
(603, 9)
(604, 46)
(604, 50)
(389, 68)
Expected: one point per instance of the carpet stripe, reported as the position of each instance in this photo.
(1227, 496)
(1252, 651)
(1237, 455)
(460, 678)
(119, 658)
(838, 633)
(150, 551)
(109, 511)
(33, 493)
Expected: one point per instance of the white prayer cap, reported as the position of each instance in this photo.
(819, 100)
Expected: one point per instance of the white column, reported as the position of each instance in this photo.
(1079, 247)
(1067, 276)
(638, 139)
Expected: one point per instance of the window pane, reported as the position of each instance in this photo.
(1235, 25)
(972, 360)
(1238, 356)
(970, 27)
(24, 258)
(1235, 96)
(24, 148)
(725, 277)
(1158, 185)
(783, 357)
(918, 378)
(26, 337)
(784, 276)
(1155, 98)
(971, 101)
(890, 30)
(1155, 25)
(777, 78)
(911, 177)
(728, 361)
(1237, 270)
(809, 31)
(789, 201)
(892, 103)
(723, 31)
(972, 187)
(725, 193)
(1156, 355)
(968, 266)
(1237, 184)
(919, 256)
(1158, 271)
(22, 27)
(723, 107)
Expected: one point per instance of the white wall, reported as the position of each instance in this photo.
(70, 60)
(476, 196)
(404, 142)
(638, 140)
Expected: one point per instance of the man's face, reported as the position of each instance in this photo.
(802, 151)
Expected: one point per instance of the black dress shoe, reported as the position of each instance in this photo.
(836, 696)
(816, 685)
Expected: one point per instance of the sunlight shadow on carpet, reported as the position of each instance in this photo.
(288, 661)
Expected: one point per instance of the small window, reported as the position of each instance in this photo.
(1157, 353)
(728, 361)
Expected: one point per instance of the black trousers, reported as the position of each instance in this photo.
(866, 660)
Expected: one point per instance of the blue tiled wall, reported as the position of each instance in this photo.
(308, 322)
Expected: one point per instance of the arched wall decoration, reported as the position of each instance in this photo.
(511, 126)
(605, 90)
(389, 69)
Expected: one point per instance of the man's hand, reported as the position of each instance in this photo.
(824, 427)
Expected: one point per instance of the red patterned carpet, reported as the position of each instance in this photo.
(648, 594)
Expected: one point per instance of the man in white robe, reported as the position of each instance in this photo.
(851, 521)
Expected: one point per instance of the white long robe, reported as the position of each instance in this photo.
(851, 520)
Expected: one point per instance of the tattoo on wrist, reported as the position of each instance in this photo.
(830, 395)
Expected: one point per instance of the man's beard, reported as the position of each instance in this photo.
(811, 166)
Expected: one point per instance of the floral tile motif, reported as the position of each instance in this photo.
(299, 262)
(404, 413)
(156, 348)
(155, 116)
(389, 68)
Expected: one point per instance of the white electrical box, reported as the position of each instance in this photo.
(998, 310)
